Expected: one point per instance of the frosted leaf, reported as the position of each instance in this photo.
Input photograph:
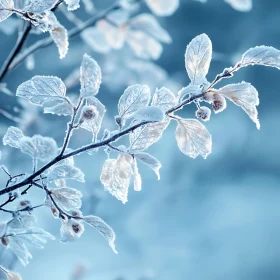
(104, 229)
(10, 275)
(114, 35)
(60, 37)
(164, 99)
(5, 4)
(67, 198)
(245, 96)
(149, 160)
(241, 5)
(189, 91)
(143, 45)
(72, 4)
(39, 147)
(96, 40)
(149, 113)
(13, 137)
(133, 98)
(45, 21)
(90, 76)
(163, 7)
(71, 230)
(198, 57)
(148, 23)
(40, 6)
(45, 147)
(66, 171)
(60, 109)
(95, 123)
(41, 89)
(261, 55)
(116, 175)
(137, 177)
(193, 139)
(143, 137)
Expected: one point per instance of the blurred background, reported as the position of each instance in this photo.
(208, 219)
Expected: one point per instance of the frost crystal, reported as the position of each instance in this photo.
(60, 37)
(13, 137)
(72, 4)
(66, 171)
(40, 6)
(6, 4)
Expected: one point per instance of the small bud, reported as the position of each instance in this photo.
(77, 213)
(203, 113)
(88, 113)
(219, 103)
(4, 241)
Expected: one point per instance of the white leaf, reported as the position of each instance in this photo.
(261, 55)
(10, 275)
(45, 147)
(198, 57)
(90, 76)
(95, 123)
(60, 37)
(67, 198)
(245, 96)
(163, 7)
(149, 160)
(193, 139)
(147, 23)
(72, 4)
(40, 6)
(45, 21)
(143, 137)
(133, 98)
(149, 113)
(96, 40)
(13, 137)
(137, 177)
(103, 228)
(143, 45)
(116, 175)
(241, 5)
(66, 171)
(5, 4)
(27, 146)
(114, 35)
(164, 99)
(60, 109)
(41, 89)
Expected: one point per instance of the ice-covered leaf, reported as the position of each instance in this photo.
(96, 40)
(133, 98)
(163, 7)
(41, 89)
(143, 45)
(164, 99)
(60, 37)
(149, 113)
(116, 175)
(39, 147)
(245, 96)
(66, 171)
(149, 160)
(13, 137)
(261, 55)
(198, 57)
(60, 109)
(5, 4)
(104, 229)
(90, 76)
(241, 5)
(40, 6)
(137, 177)
(149, 24)
(193, 138)
(72, 4)
(143, 137)
(67, 198)
(94, 123)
